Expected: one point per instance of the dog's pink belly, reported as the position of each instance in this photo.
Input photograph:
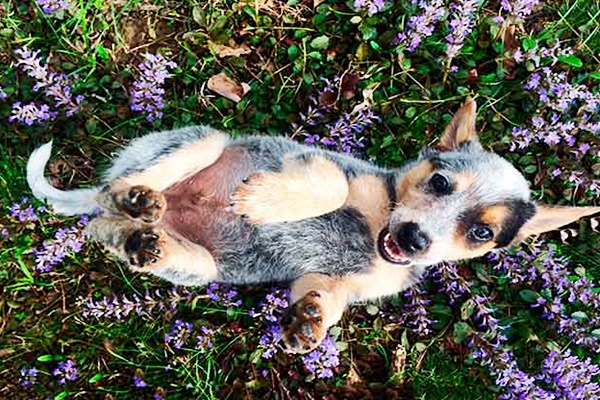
(196, 207)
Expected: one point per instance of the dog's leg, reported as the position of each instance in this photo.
(309, 185)
(138, 195)
(319, 300)
(148, 248)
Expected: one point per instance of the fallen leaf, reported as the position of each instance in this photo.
(399, 363)
(222, 51)
(353, 378)
(227, 87)
(348, 84)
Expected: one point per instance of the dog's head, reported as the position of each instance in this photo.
(460, 201)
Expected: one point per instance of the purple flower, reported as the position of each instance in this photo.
(51, 6)
(272, 307)
(223, 294)
(270, 340)
(461, 24)
(31, 113)
(204, 340)
(147, 93)
(179, 334)
(422, 25)
(66, 241)
(28, 376)
(65, 371)
(323, 360)
(56, 86)
(414, 314)
(3, 94)
(23, 211)
(372, 6)
(139, 382)
(519, 8)
(449, 282)
(151, 304)
(4, 232)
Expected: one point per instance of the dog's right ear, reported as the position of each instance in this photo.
(461, 130)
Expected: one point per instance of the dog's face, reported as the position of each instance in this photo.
(460, 202)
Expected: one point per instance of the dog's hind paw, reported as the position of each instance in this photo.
(302, 327)
(141, 202)
(143, 247)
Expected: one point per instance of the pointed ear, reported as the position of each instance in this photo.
(461, 129)
(548, 218)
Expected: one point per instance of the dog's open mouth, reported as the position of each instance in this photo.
(389, 250)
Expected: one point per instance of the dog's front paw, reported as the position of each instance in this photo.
(143, 247)
(259, 198)
(141, 202)
(302, 327)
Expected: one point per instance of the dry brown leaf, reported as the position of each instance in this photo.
(221, 50)
(227, 87)
(399, 362)
(353, 378)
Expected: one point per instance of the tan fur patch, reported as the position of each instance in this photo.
(304, 189)
(462, 127)
(460, 248)
(368, 195)
(178, 165)
(494, 215)
(381, 279)
(407, 188)
(463, 181)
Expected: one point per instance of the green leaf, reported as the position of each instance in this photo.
(293, 52)
(571, 60)
(372, 309)
(579, 315)
(462, 330)
(410, 112)
(529, 295)
(45, 358)
(374, 45)
(595, 75)
(320, 42)
(368, 32)
(96, 377)
(530, 169)
(596, 332)
(529, 44)
(61, 395)
(102, 53)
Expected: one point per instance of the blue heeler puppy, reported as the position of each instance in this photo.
(194, 206)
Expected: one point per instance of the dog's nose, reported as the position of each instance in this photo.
(411, 239)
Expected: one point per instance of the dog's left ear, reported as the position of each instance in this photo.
(548, 218)
(461, 130)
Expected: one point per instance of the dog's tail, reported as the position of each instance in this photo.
(72, 202)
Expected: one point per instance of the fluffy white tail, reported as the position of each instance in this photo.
(72, 202)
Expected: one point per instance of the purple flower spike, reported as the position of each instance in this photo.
(31, 113)
(323, 360)
(422, 25)
(51, 6)
(66, 371)
(147, 93)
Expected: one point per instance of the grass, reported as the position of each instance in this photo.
(292, 45)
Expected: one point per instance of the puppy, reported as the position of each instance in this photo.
(194, 206)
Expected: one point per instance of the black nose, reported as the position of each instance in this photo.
(411, 239)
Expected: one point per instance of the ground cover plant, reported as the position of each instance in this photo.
(376, 78)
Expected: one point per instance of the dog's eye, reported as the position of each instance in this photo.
(440, 185)
(480, 233)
